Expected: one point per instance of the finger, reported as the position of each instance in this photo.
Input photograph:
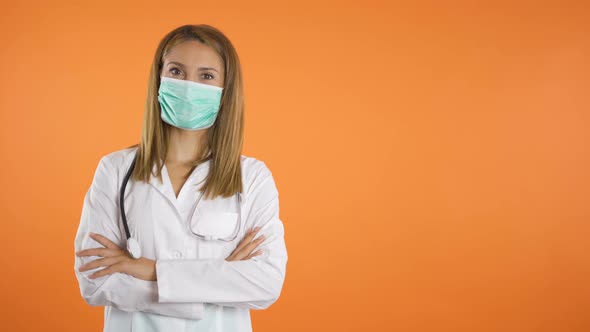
(100, 262)
(248, 248)
(252, 245)
(250, 234)
(104, 241)
(108, 270)
(103, 252)
(256, 253)
(247, 238)
(101, 273)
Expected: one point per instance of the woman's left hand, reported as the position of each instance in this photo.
(115, 260)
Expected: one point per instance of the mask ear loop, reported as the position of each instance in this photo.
(132, 245)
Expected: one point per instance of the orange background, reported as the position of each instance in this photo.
(432, 159)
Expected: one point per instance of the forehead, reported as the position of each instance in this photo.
(193, 53)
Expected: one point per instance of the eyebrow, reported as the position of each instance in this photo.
(200, 68)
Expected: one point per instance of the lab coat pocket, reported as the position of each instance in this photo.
(218, 230)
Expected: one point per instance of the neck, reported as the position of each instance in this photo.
(184, 145)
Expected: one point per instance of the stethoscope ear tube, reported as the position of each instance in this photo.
(132, 245)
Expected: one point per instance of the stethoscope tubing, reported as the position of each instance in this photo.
(132, 244)
(122, 196)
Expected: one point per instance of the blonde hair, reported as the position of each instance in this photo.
(224, 138)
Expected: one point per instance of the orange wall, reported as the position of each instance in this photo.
(432, 159)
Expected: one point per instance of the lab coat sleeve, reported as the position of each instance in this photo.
(100, 213)
(255, 283)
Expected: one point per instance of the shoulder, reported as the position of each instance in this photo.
(254, 169)
(119, 158)
(256, 175)
(255, 172)
(251, 165)
(113, 165)
(108, 170)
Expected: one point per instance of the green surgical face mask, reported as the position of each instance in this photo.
(188, 105)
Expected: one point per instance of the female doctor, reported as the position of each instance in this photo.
(181, 232)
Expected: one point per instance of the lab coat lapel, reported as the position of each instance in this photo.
(164, 186)
(167, 190)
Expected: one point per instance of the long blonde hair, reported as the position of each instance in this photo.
(224, 138)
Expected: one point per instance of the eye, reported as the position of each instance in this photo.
(209, 75)
(175, 71)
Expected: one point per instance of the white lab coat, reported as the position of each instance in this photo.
(196, 288)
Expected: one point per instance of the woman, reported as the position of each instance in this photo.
(204, 219)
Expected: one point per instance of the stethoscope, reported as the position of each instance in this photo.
(133, 245)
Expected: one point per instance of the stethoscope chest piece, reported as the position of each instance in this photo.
(133, 248)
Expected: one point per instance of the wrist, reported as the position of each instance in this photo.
(154, 272)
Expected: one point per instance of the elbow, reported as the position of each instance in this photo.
(276, 293)
(92, 295)
(91, 290)
(268, 293)
(262, 305)
(273, 293)
(88, 287)
(265, 304)
(91, 300)
(88, 291)
(96, 295)
(275, 285)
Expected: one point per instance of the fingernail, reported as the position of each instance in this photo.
(257, 228)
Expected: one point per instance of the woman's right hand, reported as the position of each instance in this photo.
(244, 249)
